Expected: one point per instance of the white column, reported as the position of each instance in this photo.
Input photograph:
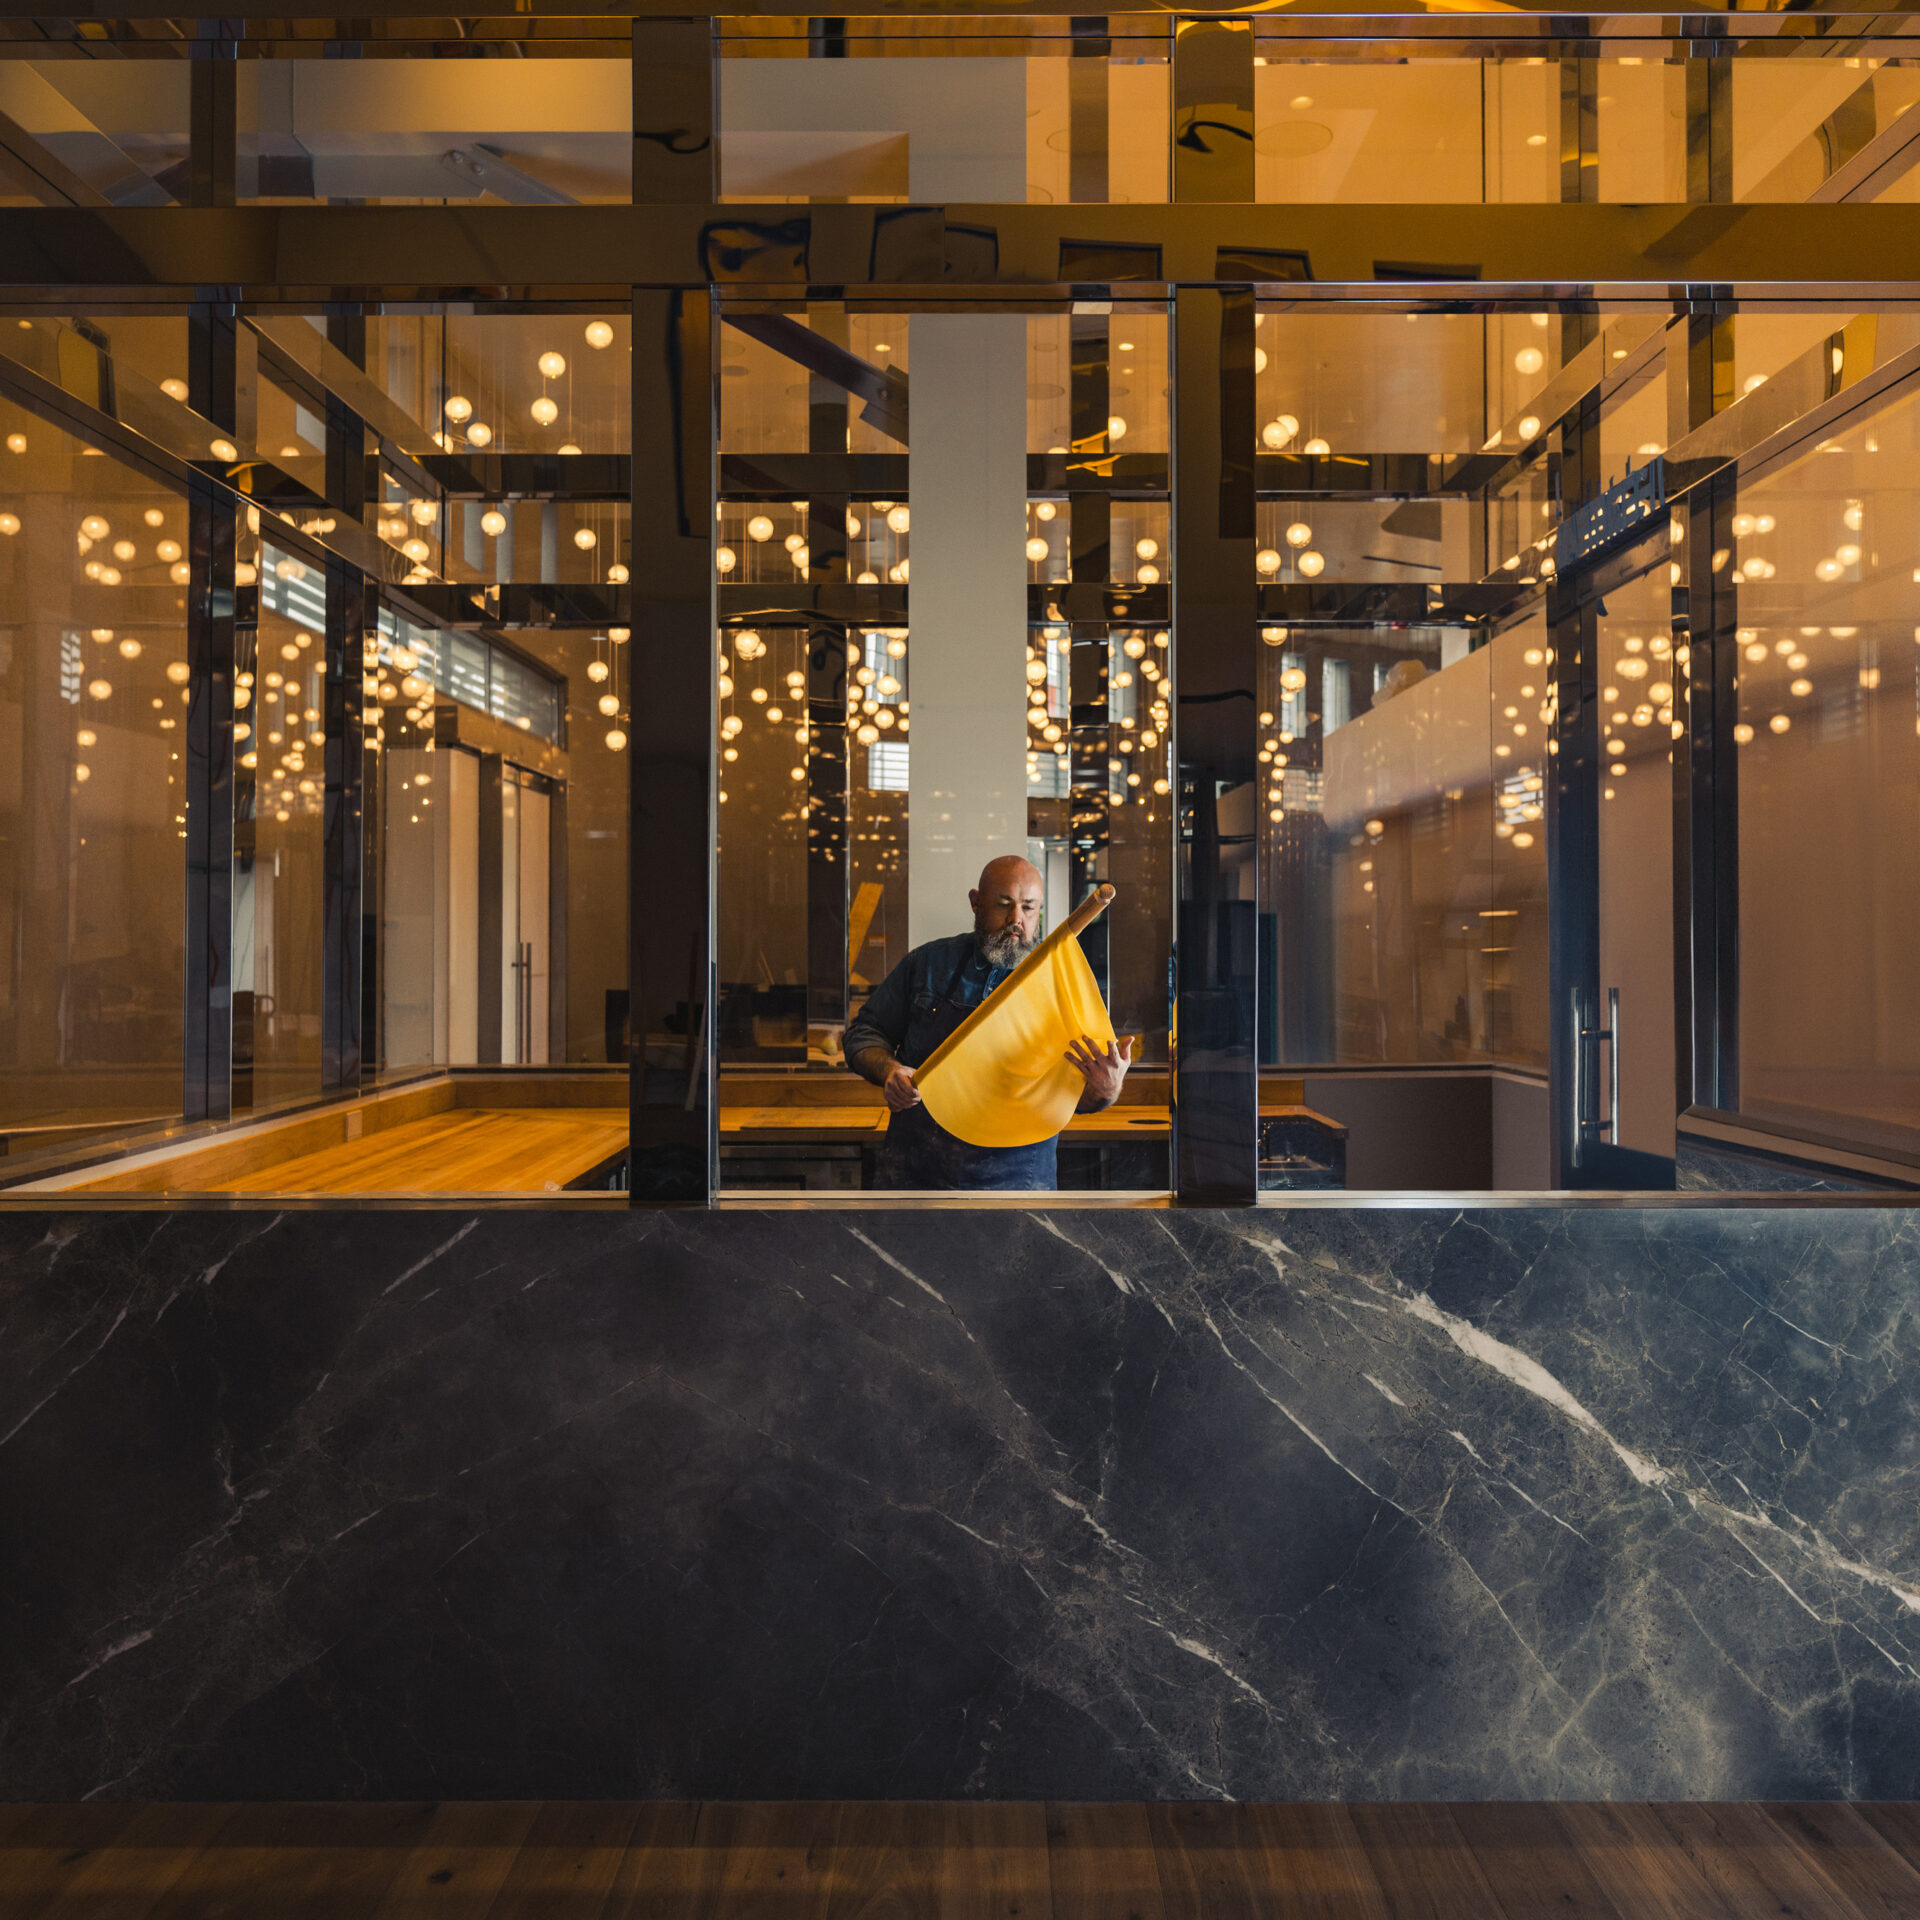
(967, 609)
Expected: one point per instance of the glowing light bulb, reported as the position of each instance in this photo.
(616, 740)
(759, 528)
(545, 411)
(1529, 360)
(479, 434)
(898, 519)
(585, 538)
(458, 408)
(1116, 429)
(493, 522)
(1267, 560)
(1037, 550)
(552, 365)
(599, 335)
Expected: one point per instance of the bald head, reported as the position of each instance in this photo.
(1006, 909)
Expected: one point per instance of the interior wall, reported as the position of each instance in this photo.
(1423, 1131)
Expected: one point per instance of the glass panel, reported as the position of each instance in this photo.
(521, 121)
(279, 835)
(120, 124)
(1636, 668)
(92, 790)
(1829, 787)
(982, 110)
(1798, 121)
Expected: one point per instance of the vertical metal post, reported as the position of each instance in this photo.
(1213, 110)
(671, 820)
(346, 1043)
(1707, 801)
(213, 114)
(1216, 1087)
(1090, 784)
(827, 666)
(829, 864)
(676, 147)
(349, 620)
(492, 1036)
(1710, 120)
(1087, 110)
(207, 1093)
(1573, 817)
(1573, 862)
(1579, 130)
(1089, 458)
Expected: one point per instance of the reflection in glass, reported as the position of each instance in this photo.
(278, 878)
(92, 789)
(1399, 823)
(1828, 770)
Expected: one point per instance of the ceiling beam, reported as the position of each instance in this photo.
(988, 252)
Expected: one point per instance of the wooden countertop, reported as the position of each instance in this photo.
(466, 1150)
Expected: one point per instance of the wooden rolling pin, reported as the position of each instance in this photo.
(1083, 916)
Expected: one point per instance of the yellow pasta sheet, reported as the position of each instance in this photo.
(1004, 1080)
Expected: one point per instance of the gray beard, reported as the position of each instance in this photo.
(1005, 948)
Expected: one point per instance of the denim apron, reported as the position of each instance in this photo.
(920, 1152)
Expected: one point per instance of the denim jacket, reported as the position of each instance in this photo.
(902, 1013)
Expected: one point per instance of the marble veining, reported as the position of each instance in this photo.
(1366, 1503)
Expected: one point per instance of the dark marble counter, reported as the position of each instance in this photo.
(1366, 1503)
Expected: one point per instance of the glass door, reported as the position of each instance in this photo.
(1619, 657)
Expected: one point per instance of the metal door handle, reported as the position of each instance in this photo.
(1612, 1037)
(1586, 1122)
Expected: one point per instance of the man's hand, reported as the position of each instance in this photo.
(899, 1089)
(1104, 1069)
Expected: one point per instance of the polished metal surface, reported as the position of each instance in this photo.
(672, 811)
(1215, 1078)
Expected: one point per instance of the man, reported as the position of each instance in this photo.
(924, 999)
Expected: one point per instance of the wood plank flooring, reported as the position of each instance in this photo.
(464, 1150)
(946, 1860)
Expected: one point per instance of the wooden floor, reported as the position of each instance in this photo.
(464, 1150)
(958, 1861)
